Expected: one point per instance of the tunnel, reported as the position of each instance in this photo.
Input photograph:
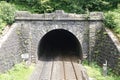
(59, 42)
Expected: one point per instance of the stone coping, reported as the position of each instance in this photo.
(57, 15)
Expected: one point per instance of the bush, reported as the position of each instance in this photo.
(109, 20)
(43, 6)
(7, 12)
(2, 24)
(112, 20)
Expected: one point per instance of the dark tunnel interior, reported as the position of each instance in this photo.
(59, 42)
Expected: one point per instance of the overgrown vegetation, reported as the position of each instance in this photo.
(95, 72)
(18, 72)
(112, 19)
(6, 14)
(75, 6)
(112, 11)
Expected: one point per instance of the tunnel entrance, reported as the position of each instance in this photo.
(59, 42)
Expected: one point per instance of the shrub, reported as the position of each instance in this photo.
(2, 24)
(43, 6)
(109, 20)
(7, 12)
(112, 20)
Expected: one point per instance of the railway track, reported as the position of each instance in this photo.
(59, 68)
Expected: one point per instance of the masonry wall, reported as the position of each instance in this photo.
(95, 33)
(107, 48)
(78, 24)
(10, 48)
(111, 48)
(33, 31)
(40, 24)
(39, 29)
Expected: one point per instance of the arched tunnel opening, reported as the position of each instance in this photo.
(59, 42)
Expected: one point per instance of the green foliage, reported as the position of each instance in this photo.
(112, 20)
(18, 72)
(95, 72)
(43, 6)
(100, 5)
(2, 24)
(73, 6)
(22, 7)
(7, 12)
(109, 20)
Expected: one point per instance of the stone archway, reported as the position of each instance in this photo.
(28, 29)
(59, 42)
(35, 26)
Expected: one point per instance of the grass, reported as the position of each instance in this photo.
(18, 72)
(95, 72)
(22, 72)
